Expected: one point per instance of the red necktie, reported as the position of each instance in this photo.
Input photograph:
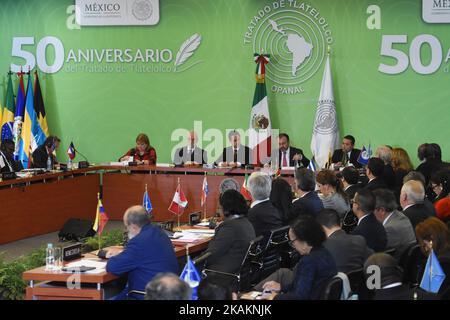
(284, 159)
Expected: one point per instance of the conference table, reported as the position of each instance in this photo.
(40, 204)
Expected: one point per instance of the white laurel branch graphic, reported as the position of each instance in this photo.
(187, 49)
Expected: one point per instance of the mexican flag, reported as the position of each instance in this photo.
(244, 190)
(260, 125)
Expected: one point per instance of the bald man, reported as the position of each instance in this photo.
(190, 154)
(148, 253)
(412, 198)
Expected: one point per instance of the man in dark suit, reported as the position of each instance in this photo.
(374, 171)
(148, 252)
(262, 214)
(348, 153)
(7, 163)
(289, 156)
(412, 198)
(43, 152)
(236, 155)
(399, 231)
(350, 177)
(349, 251)
(308, 202)
(368, 226)
(190, 154)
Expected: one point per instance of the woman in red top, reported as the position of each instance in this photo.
(144, 153)
(441, 187)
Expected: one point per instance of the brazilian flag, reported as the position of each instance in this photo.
(8, 112)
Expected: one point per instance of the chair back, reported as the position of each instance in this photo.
(271, 255)
(332, 290)
(412, 262)
(358, 285)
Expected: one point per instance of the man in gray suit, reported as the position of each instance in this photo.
(190, 154)
(349, 251)
(399, 230)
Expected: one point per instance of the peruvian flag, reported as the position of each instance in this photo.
(260, 125)
(244, 190)
(179, 202)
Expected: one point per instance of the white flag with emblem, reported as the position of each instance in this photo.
(325, 136)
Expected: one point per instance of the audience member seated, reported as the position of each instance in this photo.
(368, 226)
(390, 282)
(167, 286)
(401, 163)
(262, 214)
(399, 231)
(308, 202)
(431, 157)
(143, 153)
(411, 199)
(315, 267)
(417, 176)
(374, 172)
(43, 152)
(281, 198)
(349, 251)
(236, 155)
(212, 288)
(385, 154)
(440, 183)
(149, 251)
(190, 155)
(7, 163)
(332, 193)
(289, 156)
(349, 178)
(232, 237)
(433, 234)
(347, 154)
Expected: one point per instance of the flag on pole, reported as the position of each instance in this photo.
(433, 276)
(191, 276)
(205, 191)
(71, 151)
(325, 137)
(18, 116)
(365, 155)
(244, 191)
(101, 218)
(7, 118)
(146, 203)
(179, 202)
(260, 126)
(39, 106)
(312, 165)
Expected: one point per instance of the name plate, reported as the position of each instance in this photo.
(72, 252)
(194, 218)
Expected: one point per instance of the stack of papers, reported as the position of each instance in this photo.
(190, 237)
(100, 266)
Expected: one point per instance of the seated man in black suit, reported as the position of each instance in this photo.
(236, 155)
(308, 202)
(350, 177)
(348, 154)
(412, 198)
(190, 154)
(417, 176)
(368, 226)
(374, 171)
(288, 156)
(349, 251)
(7, 163)
(262, 214)
(43, 152)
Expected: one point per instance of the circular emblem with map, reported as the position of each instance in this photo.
(142, 9)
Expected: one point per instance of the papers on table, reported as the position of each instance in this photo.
(200, 231)
(124, 163)
(100, 266)
(203, 224)
(188, 236)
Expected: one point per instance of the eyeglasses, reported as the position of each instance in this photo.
(291, 243)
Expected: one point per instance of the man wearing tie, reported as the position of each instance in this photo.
(236, 155)
(288, 155)
(190, 154)
(348, 154)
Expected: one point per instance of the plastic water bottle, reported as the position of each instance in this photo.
(49, 163)
(69, 164)
(49, 257)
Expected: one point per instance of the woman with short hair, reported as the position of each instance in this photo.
(332, 193)
(143, 153)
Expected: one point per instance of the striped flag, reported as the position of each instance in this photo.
(18, 116)
(71, 151)
(205, 191)
(101, 218)
(7, 118)
(244, 191)
(179, 202)
(39, 106)
(312, 165)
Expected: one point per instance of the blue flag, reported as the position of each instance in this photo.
(191, 276)
(365, 155)
(146, 203)
(312, 165)
(433, 276)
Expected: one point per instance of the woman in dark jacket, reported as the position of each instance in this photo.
(281, 197)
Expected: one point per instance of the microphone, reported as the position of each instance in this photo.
(82, 164)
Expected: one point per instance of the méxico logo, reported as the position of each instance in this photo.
(296, 36)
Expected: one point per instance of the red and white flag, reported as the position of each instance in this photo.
(205, 191)
(179, 202)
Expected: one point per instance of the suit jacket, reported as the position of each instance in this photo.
(338, 154)
(400, 233)
(229, 245)
(389, 176)
(292, 152)
(244, 155)
(349, 251)
(264, 218)
(309, 204)
(40, 157)
(373, 231)
(352, 189)
(417, 213)
(377, 183)
(182, 155)
(147, 254)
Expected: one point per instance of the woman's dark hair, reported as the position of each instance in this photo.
(441, 177)
(421, 151)
(309, 230)
(328, 177)
(433, 229)
(233, 202)
(214, 288)
(281, 196)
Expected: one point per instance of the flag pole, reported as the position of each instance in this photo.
(205, 219)
(178, 215)
(98, 222)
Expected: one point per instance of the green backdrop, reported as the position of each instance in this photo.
(102, 112)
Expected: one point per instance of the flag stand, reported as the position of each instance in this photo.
(205, 219)
(98, 234)
(178, 214)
